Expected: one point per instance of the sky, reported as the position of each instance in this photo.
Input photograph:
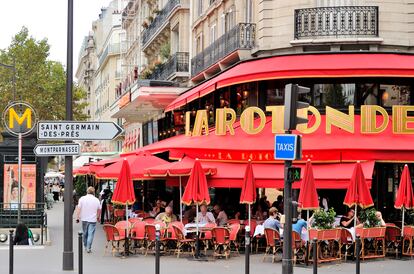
(48, 19)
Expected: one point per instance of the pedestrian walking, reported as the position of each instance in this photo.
(88, 212)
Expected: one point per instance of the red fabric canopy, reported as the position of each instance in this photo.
(124, 190)
(305, 66)
(358, 191)
(248, 192)
(178, 168)
(308, 197)
(318, 146)
(96, 166)
(138, 162)
(196, 190)
(83, 170)
(405, 197)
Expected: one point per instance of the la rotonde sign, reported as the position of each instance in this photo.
(253, 120)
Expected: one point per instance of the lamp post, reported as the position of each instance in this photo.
(12, 67)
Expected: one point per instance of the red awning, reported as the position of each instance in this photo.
(327, 176)
(304, 66)
(83, 170)
(96, 166)
(338, 146)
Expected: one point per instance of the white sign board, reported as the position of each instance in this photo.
(57, 149)
(72, 130)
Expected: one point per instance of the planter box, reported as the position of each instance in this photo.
(325, 234)
(408, 231)
(371, 232)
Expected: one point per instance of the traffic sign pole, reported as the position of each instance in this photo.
(19, 167)
(287, 265)
(67, 219)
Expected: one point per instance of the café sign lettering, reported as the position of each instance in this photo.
(253, 120)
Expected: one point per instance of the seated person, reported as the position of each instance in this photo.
(190, 214)
(221, 216)
(299, 225)
(205, 217)
(157, 209)
(166, 217)
(378, 214)
(347, 221)
(259, 214)
(272, 221)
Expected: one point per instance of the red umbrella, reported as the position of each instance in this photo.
(124, 190)
(358, 193)
(248, 192)
(83, 170)
(405, 197)
(178, 169)
(96, 166)
(196, 190)
(308, 197)
(138, 162)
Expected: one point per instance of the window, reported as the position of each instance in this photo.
(199, 43)
(213, 32)
(395, 95)
(274, 93)
(230, 19)
(334, 95)
(200, 7)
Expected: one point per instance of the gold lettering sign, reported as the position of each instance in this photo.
(247, 120)
(401, 120)
(253, 120)
(339, 119)
(303, 128)
(369, 119)
(201, 123)
(222, 124)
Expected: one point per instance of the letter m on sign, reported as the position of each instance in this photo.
(27, 116)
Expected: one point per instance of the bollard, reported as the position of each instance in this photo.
(80, 252)
(358, 251)
(11, 250)
(157, 249)
(247, 250)
(315, 255)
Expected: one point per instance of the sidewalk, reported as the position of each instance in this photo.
(49, 259)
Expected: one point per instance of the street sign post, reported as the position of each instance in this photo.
(57, 149)
(288, 147)
(72, 130)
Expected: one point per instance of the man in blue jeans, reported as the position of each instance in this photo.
(88, 212)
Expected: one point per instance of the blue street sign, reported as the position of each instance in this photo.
(286, 146)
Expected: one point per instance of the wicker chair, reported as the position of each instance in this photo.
(273, 243)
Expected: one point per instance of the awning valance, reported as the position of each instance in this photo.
(304, 66)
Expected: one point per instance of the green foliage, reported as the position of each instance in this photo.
(165, 51)
(324, 219)
(80, 185)
(368, 218)
(40, 82)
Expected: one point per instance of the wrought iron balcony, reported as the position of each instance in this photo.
(159, 20)
(344, 21)
(242, 36)
(178, 62)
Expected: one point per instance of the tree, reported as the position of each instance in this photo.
(40, 82)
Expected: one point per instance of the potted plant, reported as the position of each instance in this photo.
(156, 11)
(150, 18)
(323, 225)
(372, 226)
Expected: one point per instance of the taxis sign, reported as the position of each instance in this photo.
(19, 118)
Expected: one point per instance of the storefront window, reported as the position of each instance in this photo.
(224, 99)
(207, 103)
(246, 96)
(367, 94)
(274, 94)
(395, 95)
(334, 95)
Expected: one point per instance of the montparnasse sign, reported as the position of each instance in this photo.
(253, 120)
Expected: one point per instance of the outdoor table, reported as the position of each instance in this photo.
(375, 235)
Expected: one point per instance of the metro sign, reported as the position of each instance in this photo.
(19, 118)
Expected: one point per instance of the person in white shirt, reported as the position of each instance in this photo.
(205, 217)
(88, 212)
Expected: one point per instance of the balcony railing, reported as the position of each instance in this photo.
(155, 25)
(110, 49)
(242, 36)
(178, 62)
(344, 21)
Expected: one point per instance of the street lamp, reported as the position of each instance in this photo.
(13, 67)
